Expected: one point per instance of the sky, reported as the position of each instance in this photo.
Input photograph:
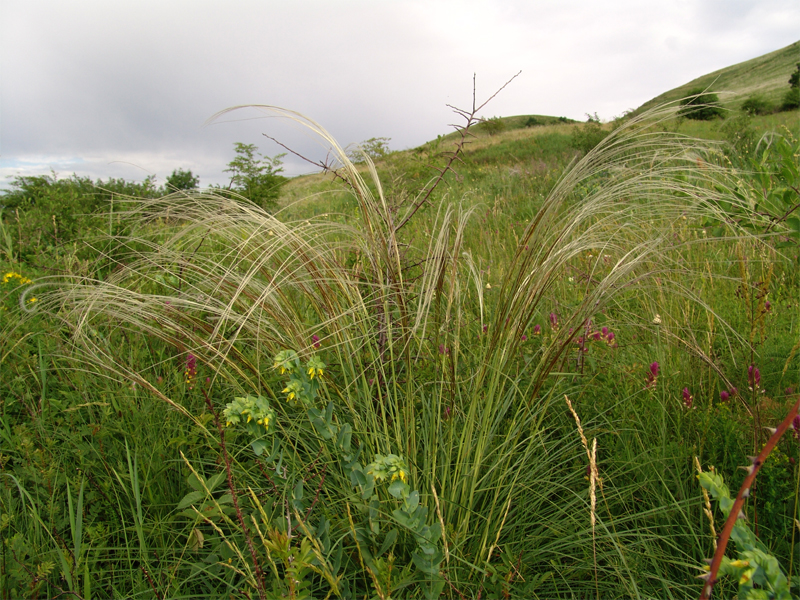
(125, 88)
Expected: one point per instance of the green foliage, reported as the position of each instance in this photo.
(255, 176)
(700, 105)
(791, 99)
(765, 199)
(493, 125)
(375, 149)
(587, 136)
(757, 105)
(181, 180)
(44, 215)
(756, 570)
(423, 417)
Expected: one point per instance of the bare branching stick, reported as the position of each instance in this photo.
(463, 130)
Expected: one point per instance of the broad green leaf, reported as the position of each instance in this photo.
(190, 499)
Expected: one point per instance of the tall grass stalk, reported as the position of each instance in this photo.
(425, 361)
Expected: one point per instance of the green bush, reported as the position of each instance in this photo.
(700, 106)
(792, 98)
(586, 137)
(255, 176)
(374, 148)
(757, 105)
(493, 126)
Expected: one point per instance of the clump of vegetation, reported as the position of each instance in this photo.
(358, 394)
(791, 100)
(589, 135)
(181, 180)
(493, 125)
(255, 176)
(373, 149)
(757, 105)
(700, 105)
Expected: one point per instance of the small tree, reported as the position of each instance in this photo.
(700, 106)
(791, 99)
(181, 180)
(493, 126)
(375, 148)
(255, 176)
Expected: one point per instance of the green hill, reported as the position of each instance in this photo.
(766, 76)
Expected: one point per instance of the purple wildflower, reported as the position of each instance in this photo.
(553, 320)
(724, 396)
(796, 426)
(687, 398)
(753, 376)
(524, 338)
(315, 342)
(191, 369)
(537, 329)
(444, 350)
(652, 376)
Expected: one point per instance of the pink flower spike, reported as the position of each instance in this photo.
(654, 369)
(687, 398)
(610, 338)
(604, 330)
(524, 338)
(553, 321)
(315, 342)
(537, 329)
(724, 396)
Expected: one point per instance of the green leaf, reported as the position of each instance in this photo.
(398, 489)
(215, 480)
(259, 446)
(297, 494)
(194, 482)
(387, 542)
(190, 499)
(413, 501)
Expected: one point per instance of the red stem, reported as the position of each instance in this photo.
(740, 498)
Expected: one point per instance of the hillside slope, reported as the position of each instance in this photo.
(767, 76)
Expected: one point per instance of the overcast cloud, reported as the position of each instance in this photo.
(123, 88)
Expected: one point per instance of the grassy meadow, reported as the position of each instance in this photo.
(497, 382)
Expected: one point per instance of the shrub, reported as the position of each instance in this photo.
(757, 105)
(700, 106)
(493, 126)
(181, 180)
(532, 122)
(255, 176)
(586, 137)
(792, 98)
(374, 148)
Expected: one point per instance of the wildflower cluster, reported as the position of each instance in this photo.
(688, 399)
(724, 396)
(255, 414)
(652, 376)
(753, 378)
(303, 384)
(390, 467)
(604, 334)
(12, 276)
(191, 370)
(249, 409)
